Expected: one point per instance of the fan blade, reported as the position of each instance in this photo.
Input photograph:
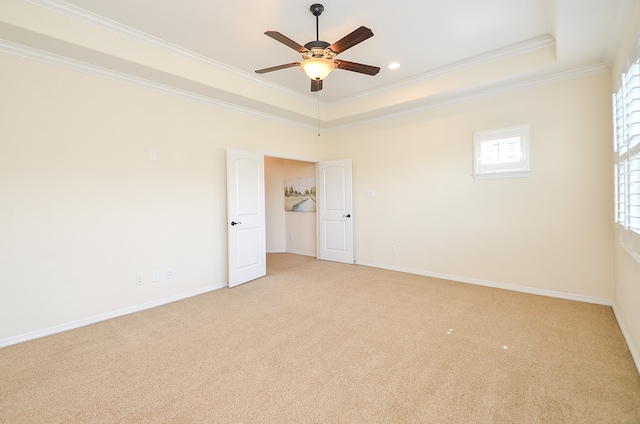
(286, 41)
(277, 68)
(356, 67)
(357, 36)
(316, 85)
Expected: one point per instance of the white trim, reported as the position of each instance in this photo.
(476, 94)
(493, 284)
(509, 51)
(136, 35)
(76, 65)
(430, 104)
(93, 19)
(109, 315)
(627, 337)
(278, 155)
(98, 21)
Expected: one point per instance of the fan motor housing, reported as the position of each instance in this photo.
(311, 45)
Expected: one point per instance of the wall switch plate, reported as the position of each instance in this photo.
(139, 280)
(155, 276)
(371, 193)
(153, 155)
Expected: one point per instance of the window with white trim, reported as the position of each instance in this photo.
(502, 153)
(626, 120)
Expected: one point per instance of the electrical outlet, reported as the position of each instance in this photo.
(620, 287)
(169, 273)
(290, 236)
(393, 248)
(139, 280)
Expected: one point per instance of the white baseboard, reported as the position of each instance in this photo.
(627, 337)
(103, 317)
(512, 287)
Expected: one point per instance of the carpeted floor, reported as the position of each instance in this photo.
(322, 342)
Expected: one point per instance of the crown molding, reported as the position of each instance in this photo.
(474, 94)
(408, 110)
(76, 65)
(504, 53)
(95, 20)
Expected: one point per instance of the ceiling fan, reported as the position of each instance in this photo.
(318, 56)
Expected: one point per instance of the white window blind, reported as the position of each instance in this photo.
(626, 116)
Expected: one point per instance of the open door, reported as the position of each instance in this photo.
(335, 214)
(245, 216)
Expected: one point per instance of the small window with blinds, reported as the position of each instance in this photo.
(502, 153)
(626, 117)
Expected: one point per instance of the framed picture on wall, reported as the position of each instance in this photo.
(300, 194)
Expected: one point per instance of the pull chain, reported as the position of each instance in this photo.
(318, 94)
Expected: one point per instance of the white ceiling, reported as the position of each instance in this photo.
(429, 38)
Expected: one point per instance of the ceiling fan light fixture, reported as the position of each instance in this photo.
(317, 56)
(317, 68)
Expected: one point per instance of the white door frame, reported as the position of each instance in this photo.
(299, 159)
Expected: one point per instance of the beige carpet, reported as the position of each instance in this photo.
(321, 342)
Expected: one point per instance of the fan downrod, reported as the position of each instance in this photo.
(317, 10)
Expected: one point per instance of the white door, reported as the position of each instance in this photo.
(245, 216)
(335, 215)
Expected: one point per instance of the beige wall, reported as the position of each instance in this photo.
(627, 269)
(550, 231)
(85, 210)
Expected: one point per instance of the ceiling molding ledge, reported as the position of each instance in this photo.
(400, 111)
(504, 53)
(93, 19)
(461, 96)
(77, 65)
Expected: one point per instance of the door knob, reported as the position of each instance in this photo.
(235, 223)
(347, 216)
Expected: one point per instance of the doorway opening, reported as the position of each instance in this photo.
(292, 228)
(255, 199)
